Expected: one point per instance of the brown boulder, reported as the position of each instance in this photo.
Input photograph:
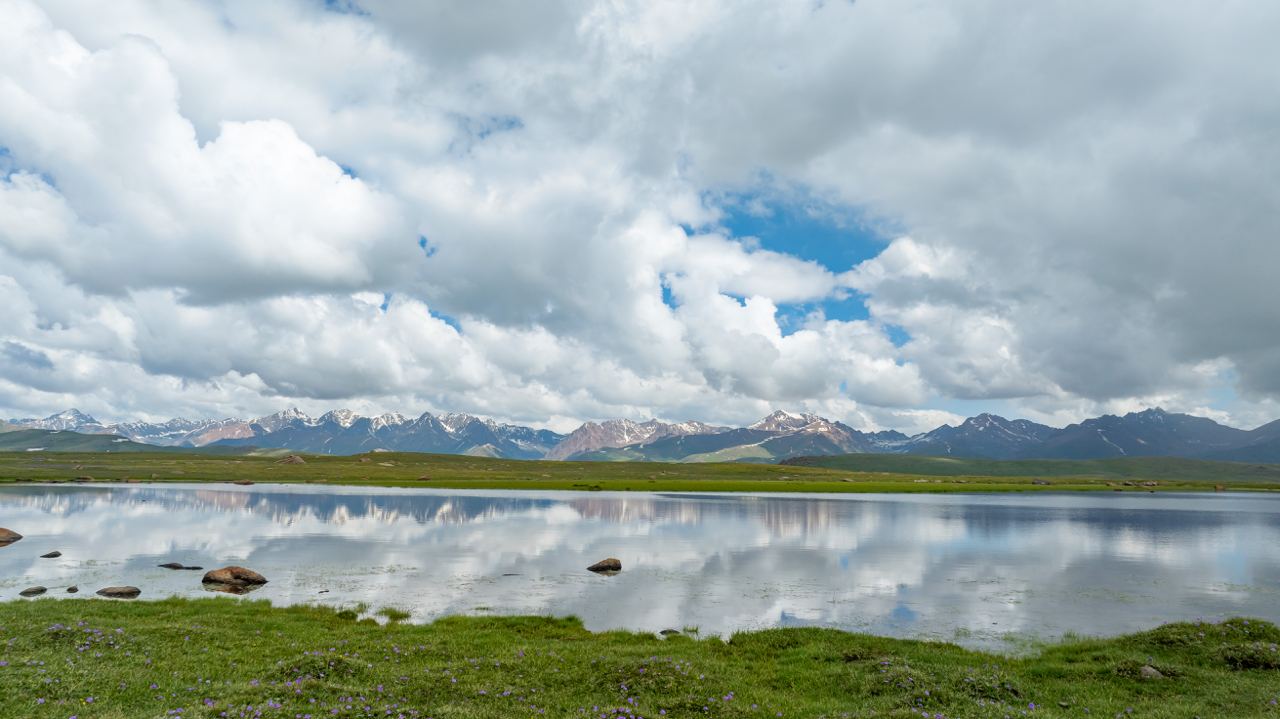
(33, 591)
(233, 576)
(243, 482)
(606, 565)
(8, 536)
(73, 589)
(120, 592)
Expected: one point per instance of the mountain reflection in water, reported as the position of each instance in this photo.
(965, 567)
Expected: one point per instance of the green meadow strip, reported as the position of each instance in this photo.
(227, 658)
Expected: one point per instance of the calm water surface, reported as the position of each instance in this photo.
(978, 569)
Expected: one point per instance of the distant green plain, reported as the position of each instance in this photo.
(850, 473)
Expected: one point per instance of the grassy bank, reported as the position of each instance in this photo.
(452, 471)
(221, 657)
(1123, 468)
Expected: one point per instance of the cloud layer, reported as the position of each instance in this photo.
(222, 209)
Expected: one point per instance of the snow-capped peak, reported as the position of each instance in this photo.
(455, 421)
(783, 421)
(387, 420)
(71, 419)
(273, 422)
(342, 417)
(694, 427)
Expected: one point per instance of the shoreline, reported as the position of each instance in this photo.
(740, 489)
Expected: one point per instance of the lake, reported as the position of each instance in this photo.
(979, 569)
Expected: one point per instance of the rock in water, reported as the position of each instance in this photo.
(8, 536)
(234, 576)
(120, 592)
(33, 591)
(73, 589)
(51, 555)
(176, 565)
(606, 565)
(243, 482)
(231, 588)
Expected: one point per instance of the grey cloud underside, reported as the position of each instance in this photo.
(777, 437)
(204, 208)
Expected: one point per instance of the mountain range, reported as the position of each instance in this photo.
(781, 435)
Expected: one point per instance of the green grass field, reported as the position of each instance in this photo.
(881, 474)
(1169, 468)
(225, 658)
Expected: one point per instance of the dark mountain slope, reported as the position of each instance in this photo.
(1151, 433)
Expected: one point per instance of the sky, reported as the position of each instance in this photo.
(894, 213)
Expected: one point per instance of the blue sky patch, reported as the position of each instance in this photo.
(447, 319)
(668, 297)
(897, 335)
(792, 317)
(801, 224)
(346, 7)
(798, 222)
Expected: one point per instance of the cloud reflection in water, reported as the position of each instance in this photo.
(974, 567)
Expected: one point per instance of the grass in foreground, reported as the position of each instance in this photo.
(226, 658)
(461, 472)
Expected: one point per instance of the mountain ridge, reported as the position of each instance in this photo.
(779, 436)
